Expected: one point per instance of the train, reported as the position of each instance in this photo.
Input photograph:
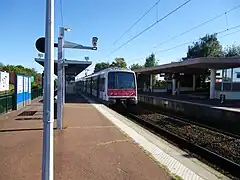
(112, 86)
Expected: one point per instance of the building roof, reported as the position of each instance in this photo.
(73, 67)
(196, 65)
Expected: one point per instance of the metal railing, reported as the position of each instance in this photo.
(36, 92)
(8, 100)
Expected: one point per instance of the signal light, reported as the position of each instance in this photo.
(40, 44)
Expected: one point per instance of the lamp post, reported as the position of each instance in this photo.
(61, 77)
(48, 106)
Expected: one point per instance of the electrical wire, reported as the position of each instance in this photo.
(149, 27)
(220, 32)
(136, 22)
(195, 27)
(189, 42)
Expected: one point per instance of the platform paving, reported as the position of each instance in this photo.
(90, 147)
(187, 98)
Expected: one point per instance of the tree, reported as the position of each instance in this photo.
(19, 69)
(150, 61)
(119, 62)
(232, 51)
(100, 66)
(135, 66)
(208, 46)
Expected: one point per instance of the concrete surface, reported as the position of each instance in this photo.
(91, 147)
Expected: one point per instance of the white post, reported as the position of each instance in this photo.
(222, 83)
(178, 87)
(173, 85)
(212, 83)
(60, 80)
(151, 82)
(231, 79)
(48, 106)
(194, 82)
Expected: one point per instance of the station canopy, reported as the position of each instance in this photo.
(72, 67)
(193, 66)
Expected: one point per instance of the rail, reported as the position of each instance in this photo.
(229, 167)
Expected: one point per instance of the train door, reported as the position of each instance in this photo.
(98, 88)
(105, 95)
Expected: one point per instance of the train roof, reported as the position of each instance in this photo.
(107, 70)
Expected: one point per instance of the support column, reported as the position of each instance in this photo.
(231, 79)
(178, 87)
(151, 82)
(222, 83)
(64, 84)
(194, 82)
(212, 83)
(60, 84)
(173, 84)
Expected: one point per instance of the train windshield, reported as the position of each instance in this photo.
(121, 80)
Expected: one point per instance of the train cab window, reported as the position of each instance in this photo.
(121, 80)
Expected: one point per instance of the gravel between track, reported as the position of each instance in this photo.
(226, 146)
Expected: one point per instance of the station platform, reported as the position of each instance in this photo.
(194, 99)
(96, 143)
(90, 147)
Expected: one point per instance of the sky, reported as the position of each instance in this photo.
(23, 22)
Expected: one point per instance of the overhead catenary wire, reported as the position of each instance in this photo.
(189, 42)
(135, 23)
(149, 27)
(201, 24)
(220, 32)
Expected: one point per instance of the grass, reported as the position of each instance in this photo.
(176, 177)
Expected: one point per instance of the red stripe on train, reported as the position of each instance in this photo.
(121, 92)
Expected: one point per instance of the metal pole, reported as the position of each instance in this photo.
(48, 106)
(231, 79)
(60, 82)
(64, 83)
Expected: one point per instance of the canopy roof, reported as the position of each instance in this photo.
(72, 67)
(196, 65)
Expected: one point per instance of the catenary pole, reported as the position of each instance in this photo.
(48, 97)
(60, 79)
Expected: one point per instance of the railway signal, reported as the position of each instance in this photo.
(40, 44)
(94, 42)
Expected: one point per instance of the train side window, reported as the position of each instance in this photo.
(102, 84)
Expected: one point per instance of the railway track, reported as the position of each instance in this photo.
(217, 148)
(185, 120)
(220, 150)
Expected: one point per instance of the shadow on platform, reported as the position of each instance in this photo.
(20, 129)
(27, 118)
(25, 129)
(76, 98)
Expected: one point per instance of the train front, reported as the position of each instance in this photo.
(122, 88)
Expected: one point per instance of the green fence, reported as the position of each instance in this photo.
(8, 101)
(36, 92)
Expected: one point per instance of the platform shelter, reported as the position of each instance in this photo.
(72, 69)
(198, 66)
